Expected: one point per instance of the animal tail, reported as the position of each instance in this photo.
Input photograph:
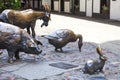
(99, 50)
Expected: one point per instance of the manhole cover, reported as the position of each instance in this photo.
(98, 78)
(63, 65)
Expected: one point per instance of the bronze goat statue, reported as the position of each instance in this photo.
(25, 19)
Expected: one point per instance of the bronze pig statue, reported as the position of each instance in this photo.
(15, 39)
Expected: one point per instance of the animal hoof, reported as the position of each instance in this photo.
(10, 61)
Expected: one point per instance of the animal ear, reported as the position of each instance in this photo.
(99, 50)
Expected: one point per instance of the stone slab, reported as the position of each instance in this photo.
(62, 65)
(32, 71)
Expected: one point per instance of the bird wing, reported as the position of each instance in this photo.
(58, 35)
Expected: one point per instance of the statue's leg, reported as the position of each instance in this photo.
(33, 29)
(17, 55)
(28, 30)
(11, 54)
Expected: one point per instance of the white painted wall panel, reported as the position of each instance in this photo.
(67, 6)
(40, 2)
(115, 10)
(89, 8)
(56, 5)
(36, 4)
(82, 5)
(31, 3)
(96, 6)
(46, 2)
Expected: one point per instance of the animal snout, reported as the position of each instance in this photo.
(44, 24)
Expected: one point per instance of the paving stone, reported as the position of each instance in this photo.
(34, 70)
(94, 33)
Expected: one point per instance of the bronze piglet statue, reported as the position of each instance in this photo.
(93, 66)
(15, 39)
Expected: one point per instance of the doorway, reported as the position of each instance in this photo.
(62, 5)
(105, 8)
(52, 5)
(76, 6)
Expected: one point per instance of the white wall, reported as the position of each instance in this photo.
(56, 5)
(31, 3)
(82, 5)
(46, 2)
(115, 10)
(36, 4)
(89, 8)
(67, 6)
(96, 6)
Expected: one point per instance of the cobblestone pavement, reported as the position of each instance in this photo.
(94, 31)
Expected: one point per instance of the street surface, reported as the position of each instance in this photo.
(94, 31)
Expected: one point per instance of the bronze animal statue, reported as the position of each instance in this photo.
(15, 39)
(25, 18)
(93, 66)
(61, 37)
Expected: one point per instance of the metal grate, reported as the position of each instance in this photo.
(62, 65)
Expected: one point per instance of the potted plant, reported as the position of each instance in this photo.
(104, 9)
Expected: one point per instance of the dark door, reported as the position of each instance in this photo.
(39, 4)
(52, 5)
(105, 8)
(76, 6)
(62, 5)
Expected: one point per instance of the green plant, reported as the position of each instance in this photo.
(104, 7)
(9, 4)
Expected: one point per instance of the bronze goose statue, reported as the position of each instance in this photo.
(61, 37)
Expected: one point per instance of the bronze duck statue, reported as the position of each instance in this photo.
(61, 37)
(95, 66)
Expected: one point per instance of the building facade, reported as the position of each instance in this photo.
(109, 9)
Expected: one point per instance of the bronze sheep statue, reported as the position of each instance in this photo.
(25, 18)
(61, 37)
(94, 66)
(15, 39)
